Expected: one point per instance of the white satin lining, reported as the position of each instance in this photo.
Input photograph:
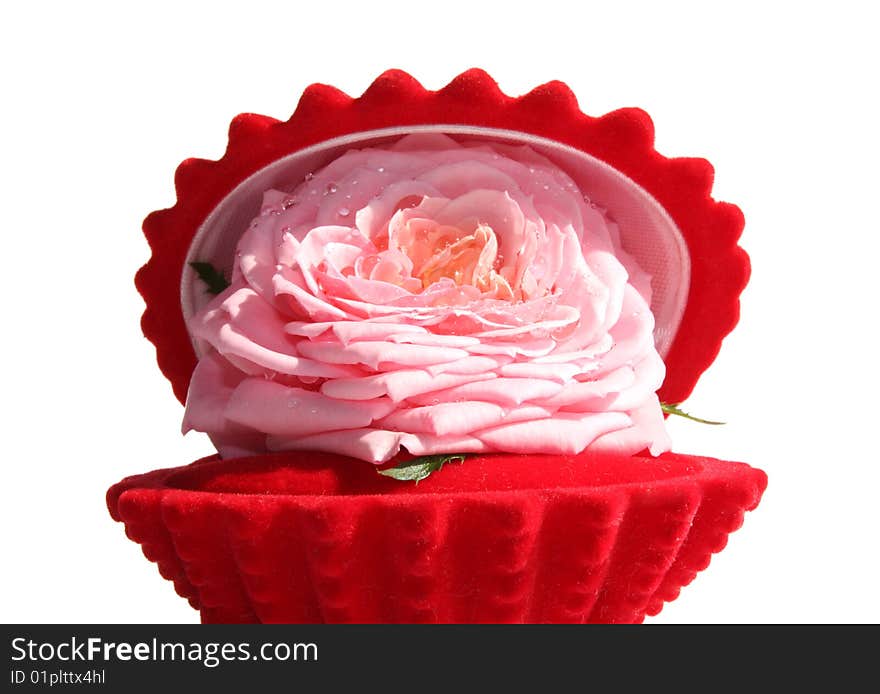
(647, 231)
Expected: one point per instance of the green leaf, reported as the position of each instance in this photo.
(417, 469)
(211, 276)
(673, 409)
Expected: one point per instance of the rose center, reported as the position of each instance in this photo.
(440, 251)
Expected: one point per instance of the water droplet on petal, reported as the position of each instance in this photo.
(381, 169)
(330, 189)
(309, 176)
(288, 203)
(546, 186)
(344, 212)
(292, 404)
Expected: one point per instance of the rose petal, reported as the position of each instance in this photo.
(370, 292)
(255, 258)
(425, 141)
(245, 326)
(435, 340)
(561, 373)
(469, 365)
(289, 282)
(633, 332)
(373, 354)
(373, 445)
(648, 377)
(279, 410)
(213, 382)
(582, 396)
(501, 391)
(444, 419)
(374, 218)
(533, 348)
(493, 208)
(234, 343)
(398, 385)
(239, 445)
(558, 435)
(351, 331)
(592, 352)
(428, 444)
(648, 430)
(246, 313)
(561, 317)
(459, 178)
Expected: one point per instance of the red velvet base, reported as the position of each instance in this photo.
(321, 538)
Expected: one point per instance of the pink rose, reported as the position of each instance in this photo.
(432, 296)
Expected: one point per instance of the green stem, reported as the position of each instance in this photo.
(673, 409)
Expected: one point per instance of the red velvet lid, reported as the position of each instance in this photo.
(623, 139)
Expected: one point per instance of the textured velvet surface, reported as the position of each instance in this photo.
(321, 538)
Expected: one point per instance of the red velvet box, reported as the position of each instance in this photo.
(316, 537)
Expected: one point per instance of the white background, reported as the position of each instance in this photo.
(101, 102)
